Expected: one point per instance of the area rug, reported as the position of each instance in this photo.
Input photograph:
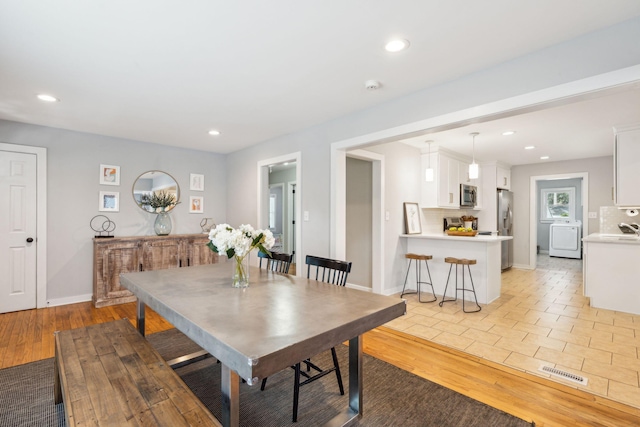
(391, 396)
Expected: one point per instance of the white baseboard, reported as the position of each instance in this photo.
(358, 287)
(522, 266)
(392, 291)
(69, 300)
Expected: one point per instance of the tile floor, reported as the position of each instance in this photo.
(541, 318)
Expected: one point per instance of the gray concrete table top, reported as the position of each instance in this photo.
(276, 322)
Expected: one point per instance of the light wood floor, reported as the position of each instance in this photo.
(541, 318)
(27, 336)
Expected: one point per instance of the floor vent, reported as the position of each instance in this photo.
(564, 374)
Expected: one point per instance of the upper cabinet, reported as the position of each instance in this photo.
(441, 192)
(448, 173)
(503, 178)
(626, 164)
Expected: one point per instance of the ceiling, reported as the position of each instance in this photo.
(578, 130)
(168, 72)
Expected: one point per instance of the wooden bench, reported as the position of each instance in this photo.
(109, 375)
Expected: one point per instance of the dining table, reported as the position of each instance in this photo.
(257, 331)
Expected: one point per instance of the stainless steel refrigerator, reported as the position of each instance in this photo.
(505, 226)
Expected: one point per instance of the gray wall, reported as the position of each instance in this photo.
(599, 52)
(600, 170)
(74, 160)
(543, 227)
(359, 220)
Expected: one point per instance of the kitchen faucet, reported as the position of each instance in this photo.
(633, 227)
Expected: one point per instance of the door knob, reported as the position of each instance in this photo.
(29, 239)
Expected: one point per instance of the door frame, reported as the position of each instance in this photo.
(377, 215)
(263, 197)
(41, 215)
(291, 207)
(557, 95)
(534, 209)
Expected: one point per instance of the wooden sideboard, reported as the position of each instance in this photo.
(113, 256)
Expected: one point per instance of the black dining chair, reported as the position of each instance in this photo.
(277, 261)
(329, 271)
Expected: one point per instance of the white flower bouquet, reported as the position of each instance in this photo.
(238, 243)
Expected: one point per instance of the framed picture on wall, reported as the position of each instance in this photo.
(109, 201)
(109, 175)
(196, 204)
(196, 182)
(412, 218)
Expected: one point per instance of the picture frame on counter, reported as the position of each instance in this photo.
(412, 223)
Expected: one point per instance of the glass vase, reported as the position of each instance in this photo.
(162, 226)
(241, 272)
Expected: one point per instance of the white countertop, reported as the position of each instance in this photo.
(443, 236)
(624, 239)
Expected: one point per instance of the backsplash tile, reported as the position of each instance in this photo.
(611, 216)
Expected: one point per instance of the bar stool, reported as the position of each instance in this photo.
(460, 261)
(417, 258)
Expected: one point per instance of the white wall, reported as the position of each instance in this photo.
(600, 170)
(231, 190)
(74, 160)
(603, 51)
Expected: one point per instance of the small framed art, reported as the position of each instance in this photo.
(109, 175)
(109, 201)
(196, 182)
(196, 204)
(412, 218)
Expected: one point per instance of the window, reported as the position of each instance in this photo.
(557, 203)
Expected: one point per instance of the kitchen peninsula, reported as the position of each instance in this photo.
(610, 271)
(486, 250)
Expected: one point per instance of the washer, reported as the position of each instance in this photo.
(565, 239)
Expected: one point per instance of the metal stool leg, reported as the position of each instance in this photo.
(405, 280)
(430, 283)
(444, 295)
(473, 290)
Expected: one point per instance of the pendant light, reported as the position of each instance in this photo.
(473, 167)
(428, 172)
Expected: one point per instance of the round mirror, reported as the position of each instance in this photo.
(156, 191)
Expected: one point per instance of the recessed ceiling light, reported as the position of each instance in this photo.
(544, 157)
(529, 147)
(214, 132)
(396, 45)
(508, 132)
(47, 98)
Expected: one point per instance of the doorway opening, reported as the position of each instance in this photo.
(540, 222)
(594, 86)
(279, 185)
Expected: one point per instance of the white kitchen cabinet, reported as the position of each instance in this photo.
(626, 158)
(610, 272)
(444, 190)
(503, 178)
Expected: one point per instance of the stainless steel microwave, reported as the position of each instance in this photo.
(468, 196)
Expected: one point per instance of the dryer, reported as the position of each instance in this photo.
(565, 239)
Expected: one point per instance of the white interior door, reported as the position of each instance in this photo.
(17, 231)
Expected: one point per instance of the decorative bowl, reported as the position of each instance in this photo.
(462, 233)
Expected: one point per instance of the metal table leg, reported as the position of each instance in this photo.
(230, 389)
(354, 411)
(140, 316)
